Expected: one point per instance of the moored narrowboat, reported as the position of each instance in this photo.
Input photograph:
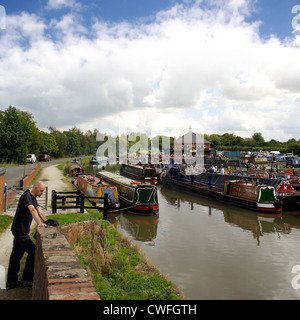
(249, 196)
(74, 168)
(283, 189)
(138, 172)
(138, 197)
(92, 186)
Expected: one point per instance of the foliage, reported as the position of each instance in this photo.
(230, 142)
(16, 131)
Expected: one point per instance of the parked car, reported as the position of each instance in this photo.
(31, 158)
(44, 157)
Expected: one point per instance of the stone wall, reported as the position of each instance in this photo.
(58, 274)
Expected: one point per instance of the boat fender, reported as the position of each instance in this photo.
(135, 182)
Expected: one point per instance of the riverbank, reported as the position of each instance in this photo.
(129, 267)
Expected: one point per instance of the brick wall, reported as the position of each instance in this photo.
(30, 176)
(2, 197)
(58, 274)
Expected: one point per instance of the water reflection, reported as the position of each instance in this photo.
(142, 228)
(247, 220)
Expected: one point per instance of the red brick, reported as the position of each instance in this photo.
(86, 279)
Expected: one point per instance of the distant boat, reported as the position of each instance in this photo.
(92, 186)
(138, 197)
(249, 196)
(99, 161)
(74, 168)
(138, 172)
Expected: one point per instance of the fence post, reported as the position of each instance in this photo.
(6, 198)
(78, 193)
(105, 206)
(46, 200)
(81, 203)
(54, 199)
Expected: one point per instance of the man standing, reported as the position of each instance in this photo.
(27, 209)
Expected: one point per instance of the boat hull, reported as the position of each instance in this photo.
(138, 172)
(89, 186)
(137, 197)
(216, 193)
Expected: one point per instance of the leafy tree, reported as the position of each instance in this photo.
(61, 140)
(258, 138)
(48, 143)
(16, 131)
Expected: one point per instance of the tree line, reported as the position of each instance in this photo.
(231, 142)
(20, 136)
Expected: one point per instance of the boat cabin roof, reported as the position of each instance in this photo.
(114, 176)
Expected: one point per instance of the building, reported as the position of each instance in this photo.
(191, 143)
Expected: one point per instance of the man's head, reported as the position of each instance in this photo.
(38, 189)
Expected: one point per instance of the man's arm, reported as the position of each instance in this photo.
(35, 216)
(41, 214)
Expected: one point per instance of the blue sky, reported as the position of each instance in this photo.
(275, 14)
(157, 66)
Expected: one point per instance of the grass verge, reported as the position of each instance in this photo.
(5, 221)
(120, 271)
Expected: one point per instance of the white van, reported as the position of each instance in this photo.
(31, 158)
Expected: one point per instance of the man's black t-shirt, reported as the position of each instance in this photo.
(23, 217)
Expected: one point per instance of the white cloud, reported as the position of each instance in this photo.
(190, 66)
(59, 4)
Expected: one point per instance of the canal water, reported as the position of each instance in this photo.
(212, 250)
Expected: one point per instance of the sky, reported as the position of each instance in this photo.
(154, 66)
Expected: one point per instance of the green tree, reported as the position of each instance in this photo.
(258, 138)
(48, 143)
(16, 131)
(61, 140)
(73, 148)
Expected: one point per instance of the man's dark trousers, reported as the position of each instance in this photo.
(21, 244)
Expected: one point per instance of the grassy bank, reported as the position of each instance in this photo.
(120, 271)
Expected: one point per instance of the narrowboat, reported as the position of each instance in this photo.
(74, 168)
(138, 172)
(138, 197)
(92, 186)
(283, 188)
(237, 192)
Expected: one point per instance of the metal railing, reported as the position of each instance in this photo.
(13, 194)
